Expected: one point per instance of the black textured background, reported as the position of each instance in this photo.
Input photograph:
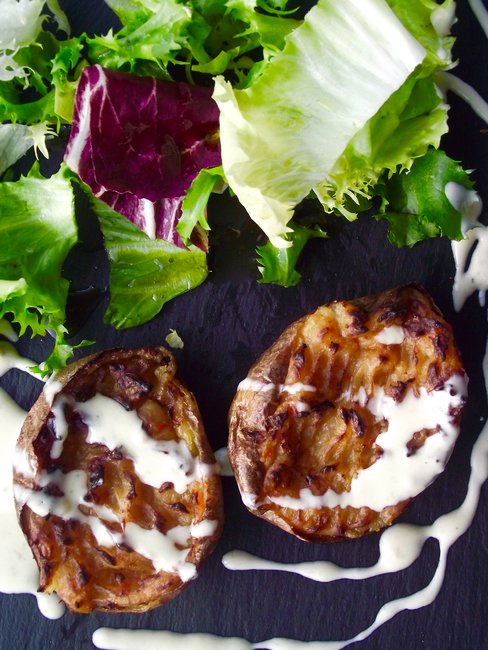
(226, 324)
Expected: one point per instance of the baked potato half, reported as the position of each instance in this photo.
(350, 414)
(115, 483)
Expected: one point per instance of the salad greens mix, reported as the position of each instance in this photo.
(340, 103)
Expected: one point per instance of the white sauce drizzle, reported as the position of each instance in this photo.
(155, 461)
(10, 359)
(112, 639)
(393, 335)
(396, 476)
(447, 81)
(464, 200)
(51, 388)
(60, 426)
(267, 387)
(7, 330)
(18, 570)
(162, 549)
(472, 277)
(257, 386)
(74, 486)
(481, 13)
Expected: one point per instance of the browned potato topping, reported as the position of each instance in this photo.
(305, 426)
(118, 492)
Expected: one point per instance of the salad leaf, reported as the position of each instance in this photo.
(21, 25)
(15, 141)
(138, 143)
(65, 76)
(38, 230)
(152, 31)
(429, 22)
(207, 36)
(278, 264)
(413, 119)
(194, 206)
(283, 135)
(144, 273)
(43, 67)
(415, 202)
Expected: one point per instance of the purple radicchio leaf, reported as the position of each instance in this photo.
(139, 142)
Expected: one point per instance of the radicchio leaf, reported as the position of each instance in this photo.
(139, 142)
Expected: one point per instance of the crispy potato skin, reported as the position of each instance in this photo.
(85, 575)
(276, 449)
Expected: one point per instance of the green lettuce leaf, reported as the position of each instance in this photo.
(415, 203)
(430, 23)
(15, 141)
(20, 25)
(282, 136)
(194, 207)
(152, 32)
(206, 36)
(413, 119)
(52, 69)
(21, 29)
(278, 264)
(65, 71)
(144, 273)
(38, 230)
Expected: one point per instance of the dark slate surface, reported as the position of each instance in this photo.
(226, 324)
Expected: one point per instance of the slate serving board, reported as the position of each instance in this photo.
(226, 324)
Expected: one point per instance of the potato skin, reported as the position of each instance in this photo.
(85, 575)
(277, 450)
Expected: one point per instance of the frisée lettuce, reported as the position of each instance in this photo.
(203, 36)
(334, 110)
(38, 231)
